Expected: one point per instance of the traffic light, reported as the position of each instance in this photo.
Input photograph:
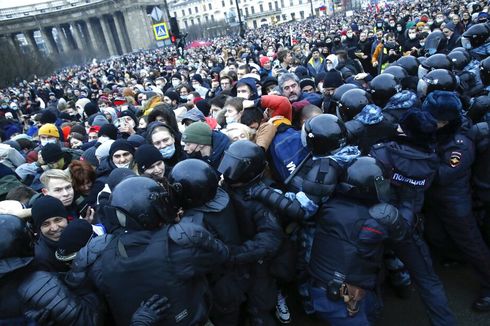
(173, 38)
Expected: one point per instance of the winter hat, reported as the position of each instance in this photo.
(177, 75)
(90, 109)
(79, 129)
(193, 115)
(145, 156)
(264, 60)
(76, 135)
(443, 105)
(301, 72)
(104, 148)
(197, 78)
(108, 130)
(333, 79)
(89, 156)
(74, 237)
(130, 114)
(46, 207)
(172, 95)
(51, 153)
(117, 175)
(49, 130)
(136, 140)
(268, 81)
(198, 133)
(47, 116)
(204, 107)
(100, 120)
(14, 144)
(419, 125)
(121, 145)
(307, 82)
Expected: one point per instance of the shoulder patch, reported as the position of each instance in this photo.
(455, 159)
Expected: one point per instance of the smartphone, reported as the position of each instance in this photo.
(83, 211)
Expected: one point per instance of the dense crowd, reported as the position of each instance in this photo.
(330, 156)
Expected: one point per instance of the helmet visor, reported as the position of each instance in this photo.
(422, 88)
(233, 167)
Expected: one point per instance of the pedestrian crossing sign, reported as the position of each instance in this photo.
(161, 31)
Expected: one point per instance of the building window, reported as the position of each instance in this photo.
(276, 5)
(207, 19)
(284, 17)
(300, 2)
(195, 10)
(190, 11)
(212, 18)
(261, 7)
(291, 3)
(199, 20)
(282, 3)
(192, 21)
(210, 6)
(246, 11)
(302, 13)
(183, 12)
(223, 3)
(253, 11)
(186, 24)
(270, 6)
(255, 23)
(231, 2)
(278, 18)
(175, 14)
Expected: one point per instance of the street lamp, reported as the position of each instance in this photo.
(242, 30)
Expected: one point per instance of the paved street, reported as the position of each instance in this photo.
(461, 287)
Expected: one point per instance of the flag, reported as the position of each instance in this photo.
(322, 8)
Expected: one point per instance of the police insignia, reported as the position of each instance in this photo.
(455, 159)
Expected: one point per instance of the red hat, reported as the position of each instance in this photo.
(94, 129)
(264, 60)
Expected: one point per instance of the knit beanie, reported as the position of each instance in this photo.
(46, 207)
(108, 130)
(47, 116)
(104, 148)
(100, 120)
(172, 95)
(79, 129)
(332, 79)
(89, 156)
(49, 129)
(136, 140)
(90, 108)
(117, 175)
(198, 133)
(74, 237)
(145, 156)
(264, 60)
(51, 153)
(121, 145)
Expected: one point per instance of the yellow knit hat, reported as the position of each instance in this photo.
(49, 130)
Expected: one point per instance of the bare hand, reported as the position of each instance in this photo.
(89, 215)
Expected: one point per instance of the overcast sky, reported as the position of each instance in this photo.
(18, 3)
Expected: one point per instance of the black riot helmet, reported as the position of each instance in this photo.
(364, 178)
(242, 162)
(399, 72)
(479, 106)
(410, 64)
(339, 91)
(435, 42)
(352, 103)
(141, 203)
(475, 36)
(436, 61)
(439, 79)
(383, 87)
(15, 239)
(324, 134)
(485, 70)
(462, 49)
(459, 59)
(198, 182)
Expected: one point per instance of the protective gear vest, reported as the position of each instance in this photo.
(316, 178)
(148, 272)
(337, 247)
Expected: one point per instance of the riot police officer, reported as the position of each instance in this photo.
(152, 256)
(353, 222)
(242, 168)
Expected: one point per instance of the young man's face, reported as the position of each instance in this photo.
(243, 91)
(60, 189)
(53, 227)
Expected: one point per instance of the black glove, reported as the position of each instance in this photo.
(151, 311)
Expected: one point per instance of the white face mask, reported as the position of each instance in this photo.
(412, 36)
(175, 83)
(47, 141)
(230, 120)
(399, 28)
(124, 165)
(329, 66)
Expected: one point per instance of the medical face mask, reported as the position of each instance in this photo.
(47, 141)
(168, 152)
(123, 165)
